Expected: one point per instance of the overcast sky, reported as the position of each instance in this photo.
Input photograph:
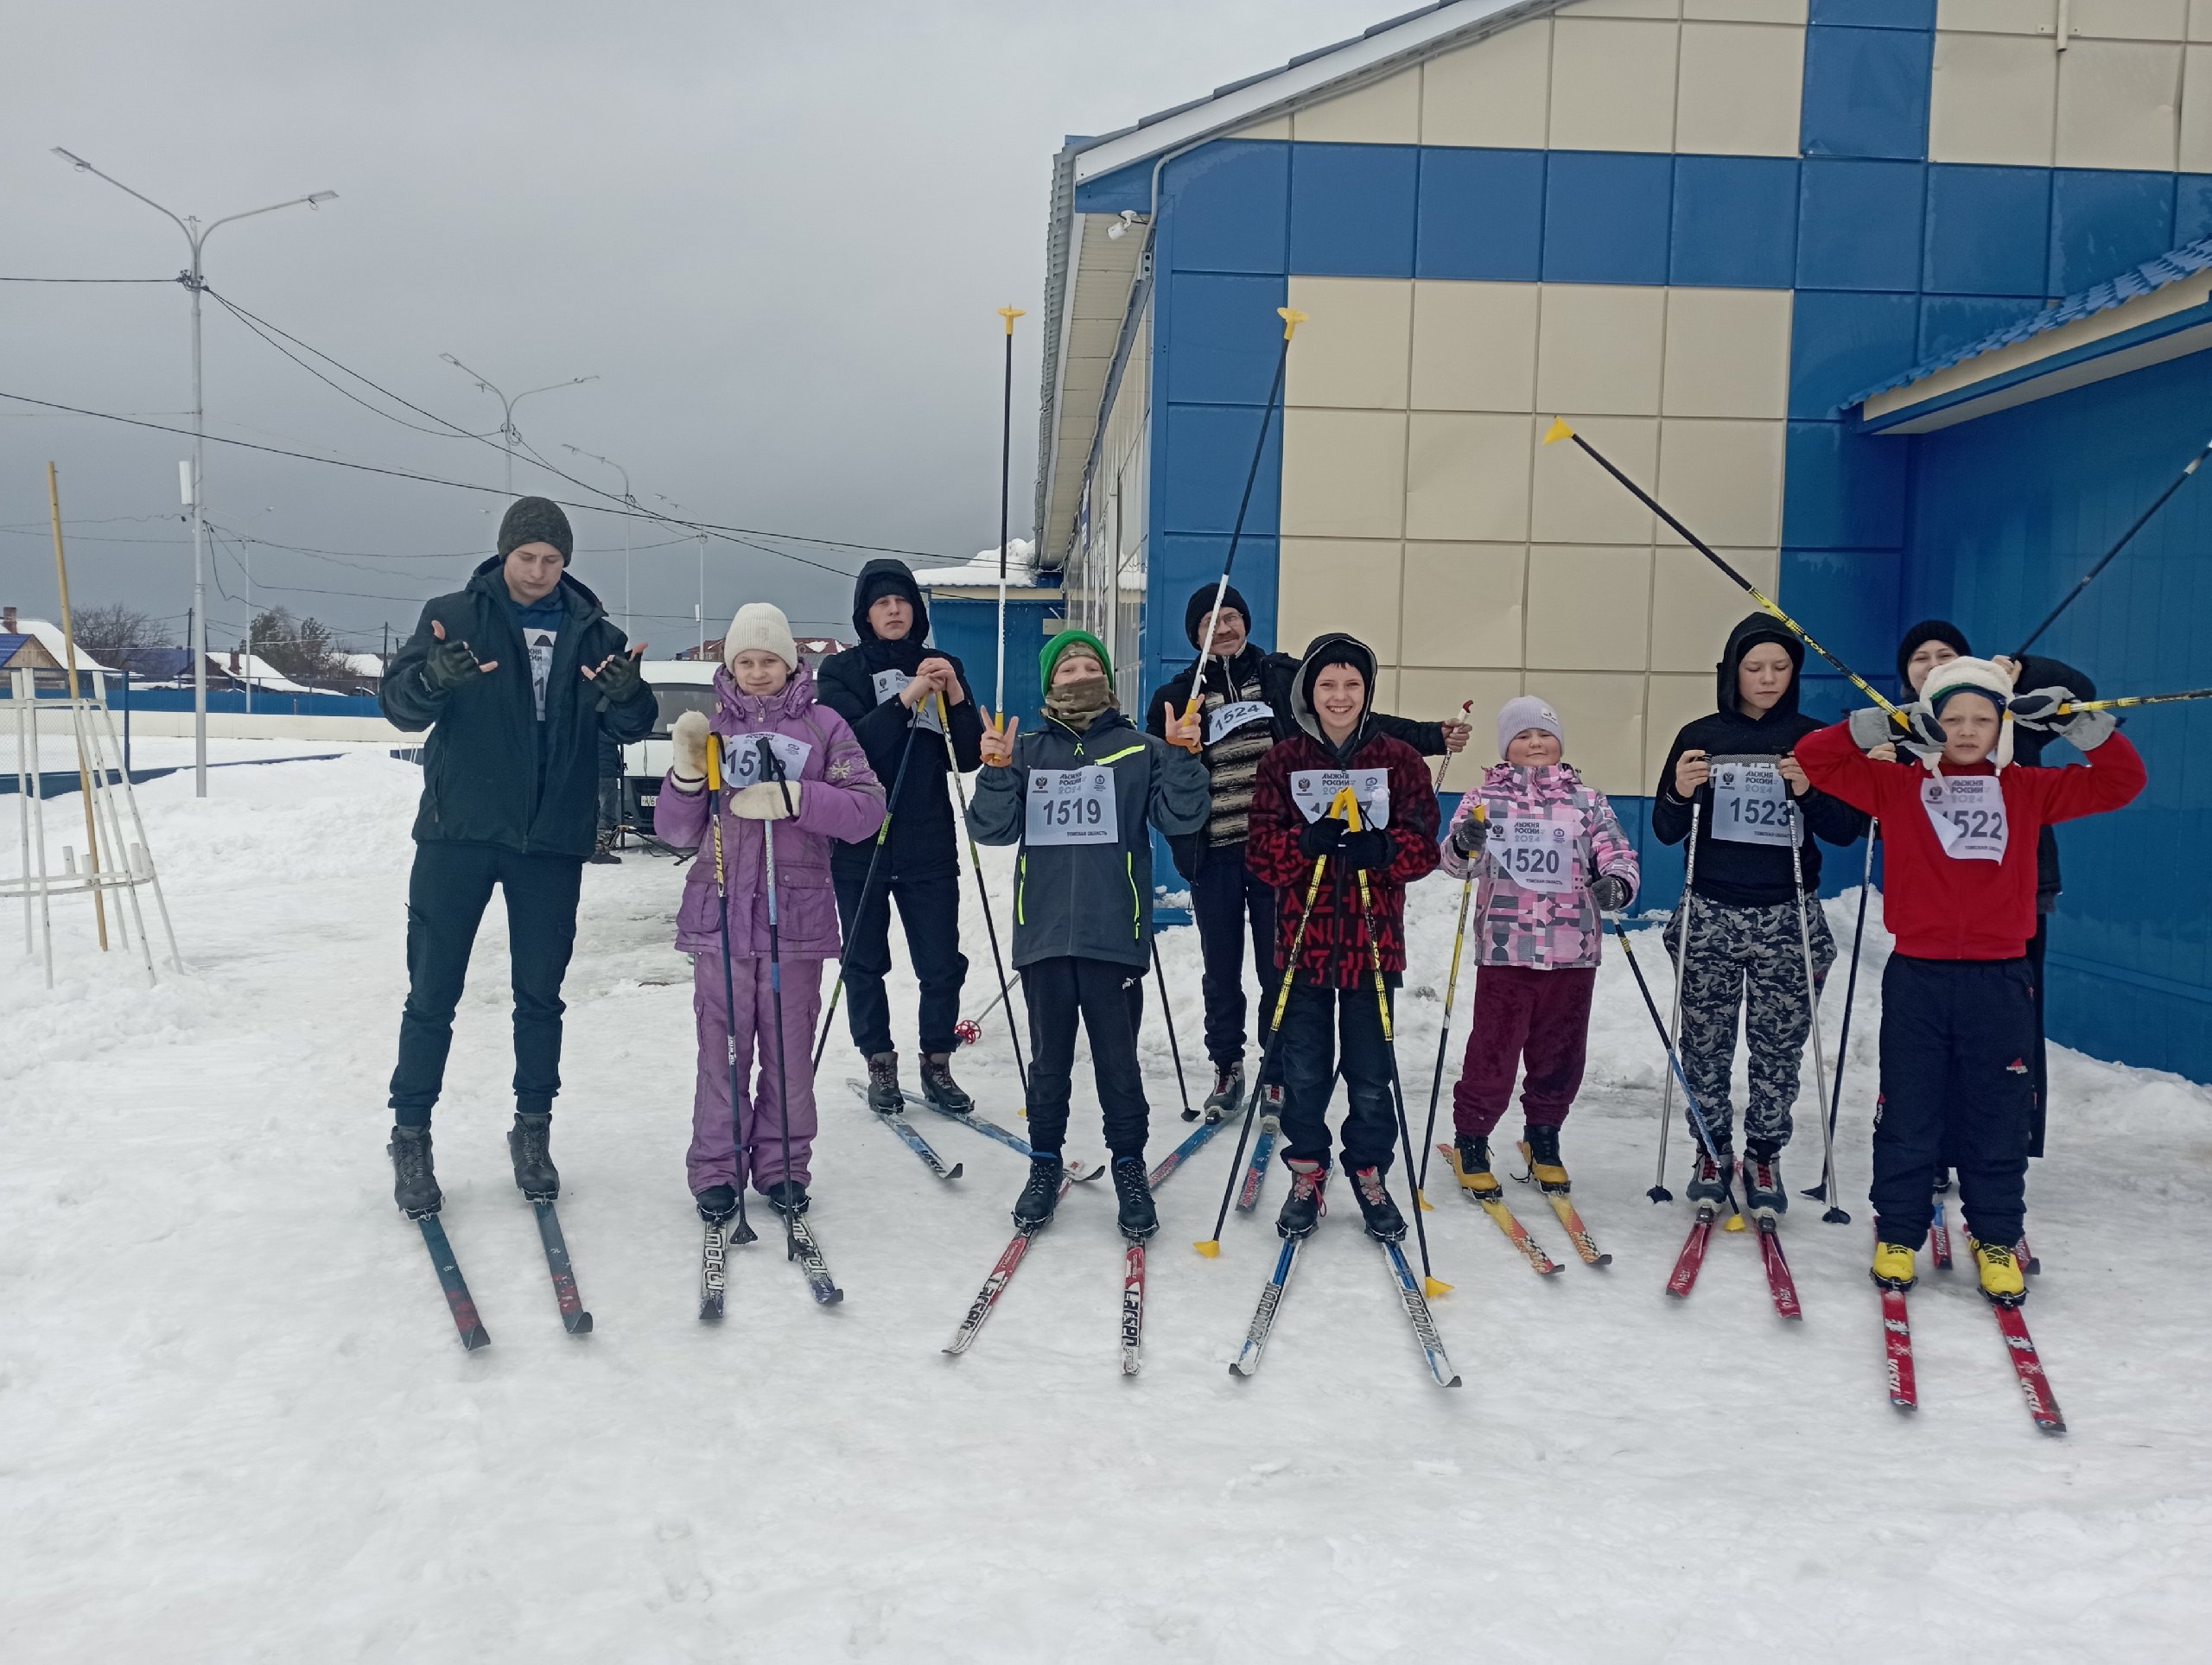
(776, 232)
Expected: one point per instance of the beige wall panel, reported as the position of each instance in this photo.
(1728, 354)
(1386, 688)
(1624, 8)
(1475, 346)
(2196, 110)
(1613, 84)
(2118, 105)
(1998, 17)
(1737, 91)
(1994, 100)
(1695, 606)
(1467, 476)
(1344, 474)
(1339, 583)
(1674, 702)
(1495, 92)
(1277, 128)
(1463, 604)
(1589, 609)
(1431, 696)
(2199, 20)
(1746, 11)
(1599, 348)
(1603, 716)
(2129, 20)
(1722, 479)
(1353, 348)
(1574, 501)
(1386, 111)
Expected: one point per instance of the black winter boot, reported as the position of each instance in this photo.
(1384, 1223)
(1034, 1207)
(1765, 1195)
(528, 1143)
(1708, 1186)
(1137, 1217)
(717, 1204)
(1303, 1209)
(940, 1089)
(884, 1097)
(1228, 1091)
(787, 1196)
(414, 1181)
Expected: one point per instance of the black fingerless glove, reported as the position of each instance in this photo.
(1321, 838)
(449, 665)
(619, 679)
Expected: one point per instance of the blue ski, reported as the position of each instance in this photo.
(1263, 1316)
(1416, 1304)
(914, 1141)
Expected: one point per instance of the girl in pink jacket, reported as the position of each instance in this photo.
(1551, 858)
(765, 693)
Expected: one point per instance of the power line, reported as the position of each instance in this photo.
(87, 280)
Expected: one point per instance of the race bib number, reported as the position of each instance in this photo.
(1751, 803)
(1537, 852)
(1968, 812)
(1314, 790)
(540, 644)
(890, 684)
(741, 763)
(1071, 806)
(1225, 720)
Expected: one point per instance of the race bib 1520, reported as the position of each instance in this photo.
(1070, 806)
(1314, 790)
(1537, 852)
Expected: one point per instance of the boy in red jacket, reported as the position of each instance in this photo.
(1333, 989)
(1960, 830)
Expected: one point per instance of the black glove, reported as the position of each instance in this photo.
(1927, 728)
(1611, 892)
(448, 665)
(619, 679)
(1321, 838)
(1467, 837)
(1365, 850)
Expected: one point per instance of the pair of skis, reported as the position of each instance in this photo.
(574, 1318)
(2019, 1347)
(1780, 1284)
(1492, 1200)
(1247, 1362)
(800, 1246)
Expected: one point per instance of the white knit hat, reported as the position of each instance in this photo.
(761, 625)
(1524, 712)
(1966, 675)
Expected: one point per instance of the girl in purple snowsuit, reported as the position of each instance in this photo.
(1557, 860)
(833, 794)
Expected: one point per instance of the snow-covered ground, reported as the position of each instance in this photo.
(235, 1424)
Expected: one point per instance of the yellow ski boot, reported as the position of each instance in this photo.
(1474, 1166)
(2000, 1273)
(1540, 1149)
(1894, 1265)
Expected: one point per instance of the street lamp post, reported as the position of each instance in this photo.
(196, 236)
(507, 430)
(629, 628)
(699, 609)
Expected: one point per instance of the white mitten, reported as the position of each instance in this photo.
(688, 741)
(763, 802)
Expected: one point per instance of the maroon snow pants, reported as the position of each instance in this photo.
(1523, 1013)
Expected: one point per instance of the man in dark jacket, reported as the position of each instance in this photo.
(516, 676)
(1244, 709)
(891, 688)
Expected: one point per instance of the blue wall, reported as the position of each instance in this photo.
(968, 630)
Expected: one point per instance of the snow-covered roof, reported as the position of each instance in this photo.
(251, 667)
(1021, 568)
(49, 636)
(364, 664)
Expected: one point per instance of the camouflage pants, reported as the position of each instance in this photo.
(1752, 958)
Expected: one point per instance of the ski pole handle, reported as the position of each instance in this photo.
(714, 763)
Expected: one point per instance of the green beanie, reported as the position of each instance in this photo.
(1050, 655)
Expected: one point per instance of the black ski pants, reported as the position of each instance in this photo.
(1958, 1077)
(1227, 898)
(1109, 999)
(446, 896)
(1317, 1022)
(2036, 946)
(929, 908)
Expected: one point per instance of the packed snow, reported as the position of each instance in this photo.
(235, 1423)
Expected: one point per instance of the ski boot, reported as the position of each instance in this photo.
(414, 1181)
(1473, 1152)
(1228, 1091)
(1384, 1223)
(938, 1084)
(717, 1204)
(1034, 1207)
(1540, 1146)
(602, 852)
(884, 1097)
(1708, 1185)
(527, 1144)
(1894, 1267)
(1303, 1209)
(2000, 1273)
(1136, 1215)
(787, 1196)
(1765, 1195)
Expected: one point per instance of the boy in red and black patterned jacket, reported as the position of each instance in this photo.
(1333, 988)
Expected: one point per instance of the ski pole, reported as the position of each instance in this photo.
(1798, 833)
(1430, 1284)
(1825, 1191)
(1211, 1247)
(1167, 1011)
(1672, 1033)
(990, 925)
(1444, 767)
(2125, 537)
(745, 1231)
(772, 768)
(2127, 700)
(1292, 318)
(1444, 1040)
(1674, 1059)
(1005, 488)
(1559, 430)
(867, 884)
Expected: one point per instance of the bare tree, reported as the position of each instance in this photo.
(306, 649)
(112, 628)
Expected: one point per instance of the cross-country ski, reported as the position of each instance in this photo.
(574, 1318)
(923, 1149)
(1490, 1198)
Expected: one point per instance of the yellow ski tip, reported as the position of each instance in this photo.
(1735, 1224)
(1210, 1250)
(1422, 1198)
(1010, 314)
(1559, 430)
(1292, 318)
(1434, 1287)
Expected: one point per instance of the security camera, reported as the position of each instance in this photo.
(1120, 228)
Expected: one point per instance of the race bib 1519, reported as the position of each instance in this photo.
(1070, 806)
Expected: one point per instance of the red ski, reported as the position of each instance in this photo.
(1132, 1308)
(2034, 1384)
(1688, 1263)
(1940, 1238)
(1779, 1283)
(1897, 1341)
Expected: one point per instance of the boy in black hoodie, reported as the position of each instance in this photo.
(1743, 910)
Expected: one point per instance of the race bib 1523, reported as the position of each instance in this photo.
(1751, 803)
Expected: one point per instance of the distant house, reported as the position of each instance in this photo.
(812, 649)
(35, 644)
(366, 669)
